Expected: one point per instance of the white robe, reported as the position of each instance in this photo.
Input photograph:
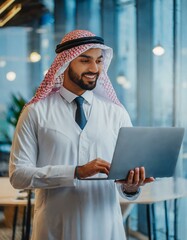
(47, 146)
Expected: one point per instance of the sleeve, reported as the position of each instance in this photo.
(23, 170)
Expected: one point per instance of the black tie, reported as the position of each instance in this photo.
(80, 117)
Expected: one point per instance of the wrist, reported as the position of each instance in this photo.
(130, 190)
(76, 175)
(78, 172)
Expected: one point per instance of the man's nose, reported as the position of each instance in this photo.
(93, 67)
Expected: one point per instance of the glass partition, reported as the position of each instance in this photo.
(157, 97)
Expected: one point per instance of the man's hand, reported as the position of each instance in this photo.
(134, 180)
(93, 167)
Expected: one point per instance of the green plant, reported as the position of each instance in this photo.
(15, 109)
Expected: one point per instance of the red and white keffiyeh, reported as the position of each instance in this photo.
(55, 75)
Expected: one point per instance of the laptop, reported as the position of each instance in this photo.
(155, 148)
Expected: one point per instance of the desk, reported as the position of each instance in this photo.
(8, 197)
(161, 190)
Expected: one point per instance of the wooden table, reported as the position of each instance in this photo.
(161, 190)
(13, 197)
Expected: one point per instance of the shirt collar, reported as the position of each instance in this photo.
(69, 96)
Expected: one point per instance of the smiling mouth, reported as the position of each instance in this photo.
(91, 77)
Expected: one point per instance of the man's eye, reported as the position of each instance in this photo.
(85, 61)
(99, 61)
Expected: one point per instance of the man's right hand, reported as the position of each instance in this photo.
(93, 167)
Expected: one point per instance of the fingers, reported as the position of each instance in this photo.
(93, 167)
(100, 163)
(141, 175)
(130, 178)
(101, 166)
(149, 180)
(104, 170)
(137, 177)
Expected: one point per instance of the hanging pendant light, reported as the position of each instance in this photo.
(34, 57)
(158, 49)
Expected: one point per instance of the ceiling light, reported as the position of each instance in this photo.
(158, 50)
(11, 76)
(5, 5)
(34, 57)
(10, 14)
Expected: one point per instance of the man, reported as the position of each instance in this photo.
(57, 143)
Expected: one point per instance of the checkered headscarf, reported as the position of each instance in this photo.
(55, 75)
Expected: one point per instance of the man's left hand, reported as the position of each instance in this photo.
(134, 180)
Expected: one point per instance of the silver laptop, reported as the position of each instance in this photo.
(155, 148)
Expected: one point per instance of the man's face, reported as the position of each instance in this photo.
(83, 72)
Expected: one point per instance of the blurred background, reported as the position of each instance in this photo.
(148, 70)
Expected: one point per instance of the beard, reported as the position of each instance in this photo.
(74, 77)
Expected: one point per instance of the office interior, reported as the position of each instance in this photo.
(148, 72)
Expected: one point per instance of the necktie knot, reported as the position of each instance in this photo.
(79, 100)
